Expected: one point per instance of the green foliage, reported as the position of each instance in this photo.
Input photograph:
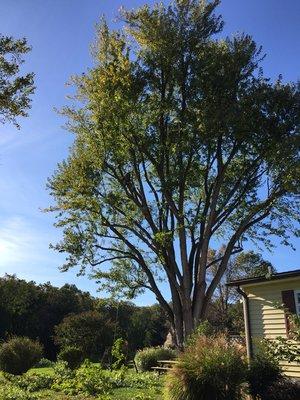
(118, 353)
(176, 141)
(205, 328)
(91, 379)
(72, 356)
(249, 264)
(30, 383)
(31, 310)
(15, 393)
(265, 378)
(282, 389)
(19, 354)
(264, 372)
(88, 331)
(225, 311)
(283, 348)
(15, 89)
(148, 327)
(44, 363)
(147, 358)
(209, 369)
(28, 309)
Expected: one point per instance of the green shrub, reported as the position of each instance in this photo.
(283, 389)
(93, 380)
(44, 363)
(72, 355)
(147, 358)
(264, 372)
(19, 354)
(265, 378)
(209, 369)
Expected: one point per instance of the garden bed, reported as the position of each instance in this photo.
(50, 384)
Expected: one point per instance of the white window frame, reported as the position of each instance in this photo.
(297, 301)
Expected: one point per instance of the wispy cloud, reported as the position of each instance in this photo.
(20, 242)
(24, 251)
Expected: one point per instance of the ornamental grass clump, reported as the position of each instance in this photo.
(209, 369)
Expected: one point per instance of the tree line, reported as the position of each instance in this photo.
(66, 316)
(58, 317)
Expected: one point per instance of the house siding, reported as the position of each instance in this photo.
(267, 321)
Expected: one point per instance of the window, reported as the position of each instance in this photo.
(297, 301)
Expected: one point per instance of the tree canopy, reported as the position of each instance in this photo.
(15, 88)
(180, 143)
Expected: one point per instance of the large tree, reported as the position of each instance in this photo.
(15, 87)
(180, 142)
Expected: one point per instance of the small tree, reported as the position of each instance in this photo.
(179, 141)
(88, 332)
(118, 353)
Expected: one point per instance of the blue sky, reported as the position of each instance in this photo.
(60, 32)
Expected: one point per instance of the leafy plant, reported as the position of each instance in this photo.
(15, 393)
(203, 329)
(72, 355)
(118, 354)
(283, 388)
(15, 89)
(30, 383)
(264, 372)
(209, 369)
(283, 348)
(147, 358)
(142, 380)
(19, 354)
(266, 381)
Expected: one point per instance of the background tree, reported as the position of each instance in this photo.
(89, 332)
(15, 88)
(28, 309)
(225, 310)
(139, 326)
(148, 328)
(31, 310)
(178, 143)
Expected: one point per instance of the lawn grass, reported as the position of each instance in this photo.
(41, 371)
(130, 393)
